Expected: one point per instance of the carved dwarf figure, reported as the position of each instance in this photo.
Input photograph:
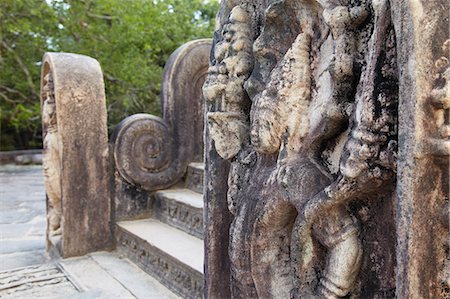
(51, 158)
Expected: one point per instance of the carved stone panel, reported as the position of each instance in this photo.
(75, 154)
(305, 101)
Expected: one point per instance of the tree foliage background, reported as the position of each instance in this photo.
(132, 40)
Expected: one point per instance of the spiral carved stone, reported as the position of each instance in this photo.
(143, 150)
(152, 153)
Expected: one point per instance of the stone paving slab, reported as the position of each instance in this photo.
(23, 259)
(97, 275)
(112, 276)
(139, 283)
(21, 245)
(41, 281)
(22, 217)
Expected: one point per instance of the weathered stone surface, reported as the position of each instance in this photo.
(130, 202)
(304, 101)
(75, 154)
(152, 153)
(217, 220)
(423, 270)
(23, 218)
(25, 268)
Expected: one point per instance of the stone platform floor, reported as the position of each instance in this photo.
(26, 271)
(22, 216)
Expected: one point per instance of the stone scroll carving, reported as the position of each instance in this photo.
(152, 153)
(75, 155)
(303, 103)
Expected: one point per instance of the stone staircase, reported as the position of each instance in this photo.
(158, 178)
(169, 244)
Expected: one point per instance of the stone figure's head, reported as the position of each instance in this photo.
(229, 131)
(49, 104)
(265, 132)
(49, 111)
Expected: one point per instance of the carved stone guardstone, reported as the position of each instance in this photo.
(75, 155)
(152, 153)
(327, 150)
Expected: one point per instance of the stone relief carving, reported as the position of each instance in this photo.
(143, 147)
(309, 123)
(51, 158)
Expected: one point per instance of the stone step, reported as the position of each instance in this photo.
(180, 208)
(173, 257)
(109, 275)
(194, 177)
(99, 275)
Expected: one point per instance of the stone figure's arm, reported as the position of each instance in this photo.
(369, 156)
(343, 22)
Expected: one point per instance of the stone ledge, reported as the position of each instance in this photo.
(21, 157)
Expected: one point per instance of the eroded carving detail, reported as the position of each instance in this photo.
(51, 158)
(323, 134)
(438, 104)
(194, 178)
(28, 281)
(367, 162)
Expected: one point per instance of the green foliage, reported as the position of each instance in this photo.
(132, 40)
(25, 28)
